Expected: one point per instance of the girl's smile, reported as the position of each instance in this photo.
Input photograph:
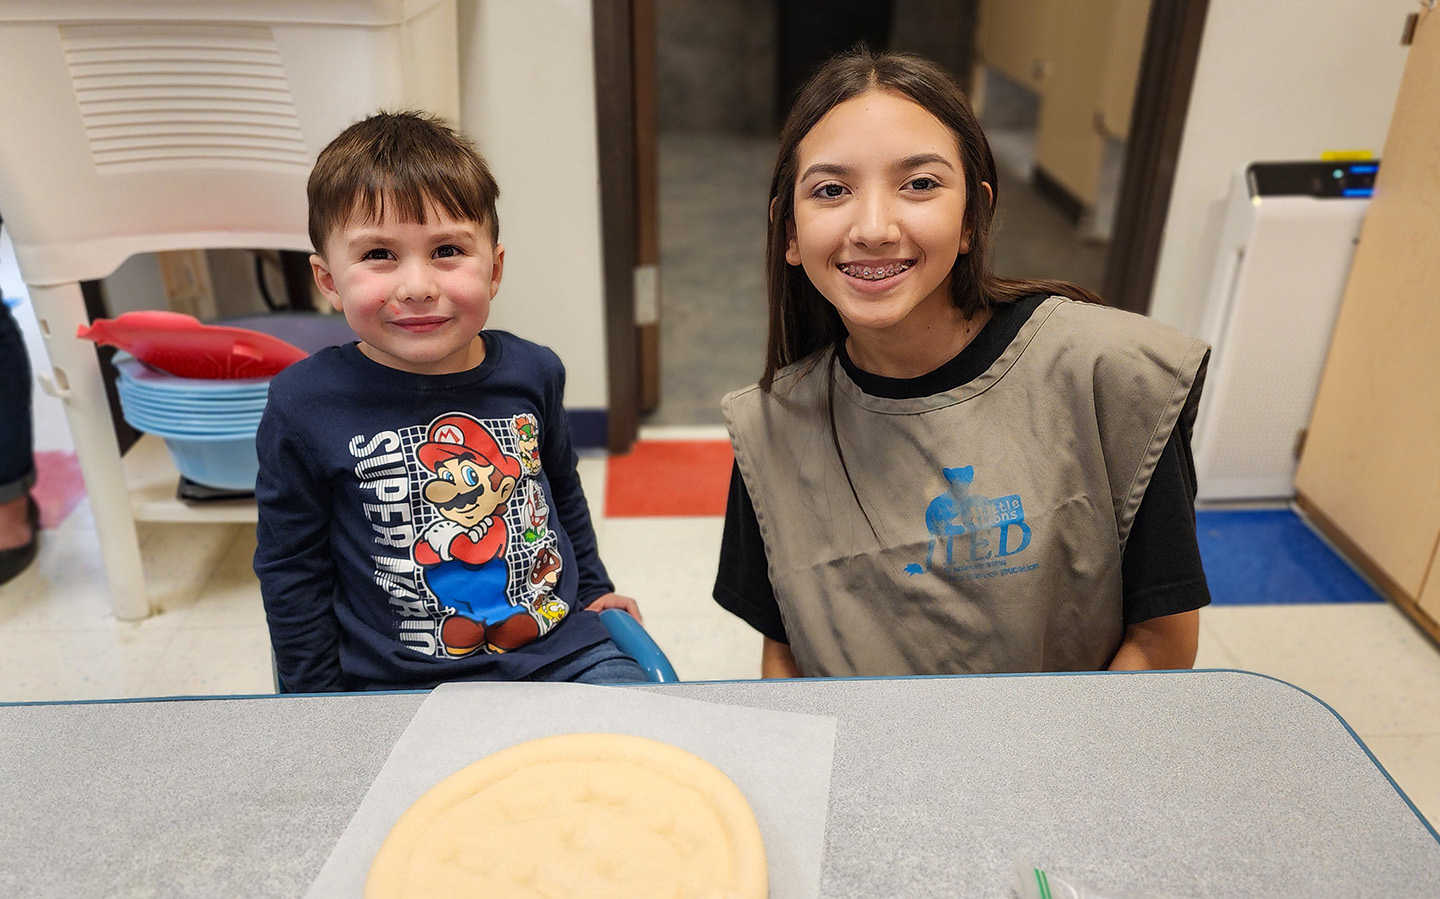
(876, 270)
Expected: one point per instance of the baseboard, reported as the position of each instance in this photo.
(1386, 585)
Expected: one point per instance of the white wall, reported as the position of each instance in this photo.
(527, 98)
(1276, 80)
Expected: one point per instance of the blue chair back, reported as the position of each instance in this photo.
(636, 642)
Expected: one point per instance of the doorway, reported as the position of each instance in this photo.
(717, 71)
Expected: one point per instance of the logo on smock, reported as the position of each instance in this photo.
(973, 536)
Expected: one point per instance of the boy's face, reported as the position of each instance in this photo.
(416, 295)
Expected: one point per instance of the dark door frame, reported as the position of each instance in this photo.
(615, 123)
(1157, 126)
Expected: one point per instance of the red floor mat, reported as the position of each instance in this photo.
(58, 486)
(669, 478)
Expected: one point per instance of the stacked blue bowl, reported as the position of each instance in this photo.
(208, 426)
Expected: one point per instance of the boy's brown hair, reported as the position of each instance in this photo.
(409, 159)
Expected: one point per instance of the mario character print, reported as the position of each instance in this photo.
(463, 555)
(543, 577)
(527, 436)
(537, 513)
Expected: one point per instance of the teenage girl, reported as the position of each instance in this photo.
(941, 470)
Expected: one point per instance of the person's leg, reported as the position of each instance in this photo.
(17, 458)
(620, 670)
(602, 663)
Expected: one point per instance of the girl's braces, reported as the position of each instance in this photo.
(875, 273)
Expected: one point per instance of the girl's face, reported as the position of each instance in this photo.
(879, 214)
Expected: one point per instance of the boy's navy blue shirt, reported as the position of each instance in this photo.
(383, 558)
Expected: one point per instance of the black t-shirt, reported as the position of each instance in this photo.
(1160, 571)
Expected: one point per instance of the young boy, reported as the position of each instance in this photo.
(421, 517)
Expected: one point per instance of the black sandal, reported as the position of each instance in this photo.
(18, 558)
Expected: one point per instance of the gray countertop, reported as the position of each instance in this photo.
(1183, 784)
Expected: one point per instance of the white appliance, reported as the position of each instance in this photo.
(1286, 245)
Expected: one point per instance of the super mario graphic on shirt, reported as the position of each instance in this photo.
(543, 577)
(466, 557)
(973, 536)
(527, 433)
(537, 516)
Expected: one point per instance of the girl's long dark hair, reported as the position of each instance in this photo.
(801, 320)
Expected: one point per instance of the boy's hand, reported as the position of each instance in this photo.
(616, 601)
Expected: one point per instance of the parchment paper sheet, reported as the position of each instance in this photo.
(779, 760)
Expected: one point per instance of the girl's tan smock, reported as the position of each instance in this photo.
(1000, 509)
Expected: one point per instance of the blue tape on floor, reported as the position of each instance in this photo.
(1271, 557)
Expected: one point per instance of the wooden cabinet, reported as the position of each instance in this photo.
(1370, 473)
(1017, 38)
(1082, 60)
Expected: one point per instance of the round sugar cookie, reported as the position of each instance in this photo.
(594, 815)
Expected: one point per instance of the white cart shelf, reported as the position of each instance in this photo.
(151, 478)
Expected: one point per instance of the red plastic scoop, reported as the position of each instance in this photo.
(181, 345)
